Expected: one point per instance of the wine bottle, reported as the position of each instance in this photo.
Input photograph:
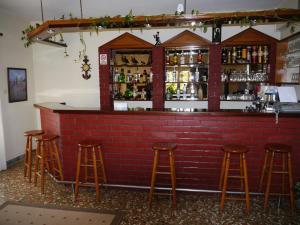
(229, 56)
(116, 76)
(199, 57)
(224, 56)
(249, 54)
(254, 55)
(197, 75)
(244, 54)
(260, 54)
(167, 58)
(121, 77)
(234, 54)
(182, 59)
(191, 58)
(175, 58)
(266, 54)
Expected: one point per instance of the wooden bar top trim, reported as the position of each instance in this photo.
(64, 109)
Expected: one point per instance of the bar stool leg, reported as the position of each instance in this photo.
(173, 177)
(224, 188)
(242, 171)
(77, 173)
(96, 175)
(246, 182)
(291, 185)
(102, 164)
(270, 171)
(57, 159)
(29, 159)
(222, 173)
(85, 162)
(37, 162)
(153, 177)
(263, 172)
(42, 169)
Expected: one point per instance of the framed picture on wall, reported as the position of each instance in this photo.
(17, 84)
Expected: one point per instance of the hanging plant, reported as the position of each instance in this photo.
(28, 40)
(129, 19)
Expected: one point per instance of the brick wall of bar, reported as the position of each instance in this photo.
(127, 141)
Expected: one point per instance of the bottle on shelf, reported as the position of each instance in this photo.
(174, 75)
(224, 56)
(191, 58)
(178, 93)
(122, 81)
(260, 54)
(238, 54)
(116, 75)
(143, 77)
(129, 77)
(200, 92)
(137, 77)
(167, 58)
(197, 75)
(234, 55)
(254, 55)
(150, 76)
(229, 56)
(266, 54)
(244, 54)
(199, 57)
(182, 58)
(175, 58)
(249, 54)
(121, 77)
(184, 91)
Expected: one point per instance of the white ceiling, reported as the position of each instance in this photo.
(30, 9)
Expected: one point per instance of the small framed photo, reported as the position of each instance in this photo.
(17, 84)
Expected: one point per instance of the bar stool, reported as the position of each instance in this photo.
(47, 158)
(241, 151)
(28, 151)
(268, 169)
(87, 158)
(158, 148)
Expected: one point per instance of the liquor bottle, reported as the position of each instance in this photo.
(191, 58)
(238, 54)
(174, 75)
(229, 56)
(122, 82)
(224, 56)
(151, 76)
(249, 54)
(199, 57)
(234, 54)
(175, 58)
(182, 59)
(167, 58)
(178, 93)
(184, 91)
(116, 76)
(244, 54)
(137, 77)
(143, 77)
(254, 55)
(197, 75)
(266, 54)
(129, 77)
(260, 54)
(121, 77)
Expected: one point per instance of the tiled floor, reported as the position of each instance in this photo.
(192, 208)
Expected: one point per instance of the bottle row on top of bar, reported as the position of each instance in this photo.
(184, 57)
(245, 54)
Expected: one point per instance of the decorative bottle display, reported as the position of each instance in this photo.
(245, 67)
(131, 83)
(183, 78)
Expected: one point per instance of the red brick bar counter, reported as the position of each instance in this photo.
(127, 137)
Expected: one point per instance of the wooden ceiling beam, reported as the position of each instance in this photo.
(76, 25)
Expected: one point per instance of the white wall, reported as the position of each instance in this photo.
(59, 79)
(20, 116)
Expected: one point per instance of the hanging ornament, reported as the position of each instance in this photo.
(86, 68)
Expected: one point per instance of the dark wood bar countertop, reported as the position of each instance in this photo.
(127, 137)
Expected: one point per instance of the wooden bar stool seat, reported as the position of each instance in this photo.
(90, 157)
(168, 148)
(229, 150)
(28, 151)
(47, 159)
(285, 151)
